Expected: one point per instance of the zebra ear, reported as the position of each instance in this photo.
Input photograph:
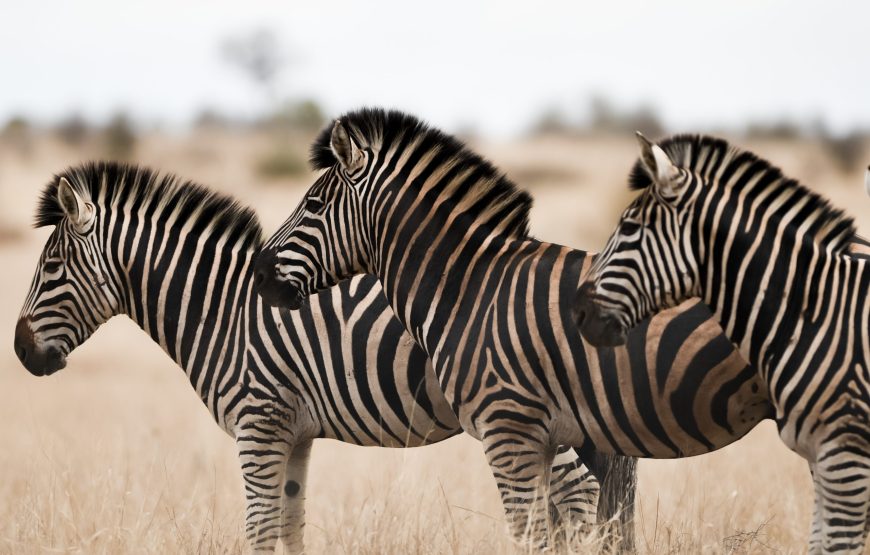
(348, 154)
(79, 212)
(658, 166)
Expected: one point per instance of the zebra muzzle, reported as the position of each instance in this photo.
(273, 291)
(39, 360)
(597, 327)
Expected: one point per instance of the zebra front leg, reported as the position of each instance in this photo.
(263, 466)
(816, 526)
(842, 482)
(521, 467)
(293, 514)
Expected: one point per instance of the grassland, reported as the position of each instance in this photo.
(116, 454)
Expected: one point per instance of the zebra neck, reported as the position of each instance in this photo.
(775, 298)
(192, 298)
(432, 271)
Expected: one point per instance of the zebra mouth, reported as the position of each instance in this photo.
(599, 329)
(53, 364)
(281, 295)
(42, 362)
(38, 358)
(274, 292)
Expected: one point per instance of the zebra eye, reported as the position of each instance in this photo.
(314, 205)
(630, 227)
(52, 266)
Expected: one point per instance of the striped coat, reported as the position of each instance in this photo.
(782, 272)
(447, 235)
(178, 260)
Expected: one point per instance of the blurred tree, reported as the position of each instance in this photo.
(283, 161)
(551, 121)
(602, 115)
(209, 118)
(783, 129)
(605, 118)
(305, 116)
(257, 54)
(72, 130)
(119, 136)
(646, 120)
(847, 151)
(17, 134)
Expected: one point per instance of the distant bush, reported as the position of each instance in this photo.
(784, 130)
(603, 118)
(210, 119)
(552, 121)
(847, 152)
(72, 130)
(119, 137)
(282, 162)
(606, 118)
(305, 116)
(17, 134)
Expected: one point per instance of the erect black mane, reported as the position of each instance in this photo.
(111, 184)
(688, 152)
(373, 127)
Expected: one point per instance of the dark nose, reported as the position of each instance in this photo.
(39, 361)
(259, 278)
(598, 329)
(582, 303)
(23, 340)
(269, 288)
(264, 268)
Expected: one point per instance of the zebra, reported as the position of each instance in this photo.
(178, 260)
(447, 235)
(772, 259)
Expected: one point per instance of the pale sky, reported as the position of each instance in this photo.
(493, 66)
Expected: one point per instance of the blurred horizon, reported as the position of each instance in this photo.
(491, 69)
(117, 454)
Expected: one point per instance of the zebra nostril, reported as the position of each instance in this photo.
(259, 278)
(21, 351)
(580, 315)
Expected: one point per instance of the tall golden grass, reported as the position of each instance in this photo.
(116, 454)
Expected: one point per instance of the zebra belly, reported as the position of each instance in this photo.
(677, 388)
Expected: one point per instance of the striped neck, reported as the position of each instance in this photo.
(192, 292)
(770, 253)
(422, 241)
(427, 204)
(180, 257)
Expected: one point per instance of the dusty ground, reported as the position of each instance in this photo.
(116, 453)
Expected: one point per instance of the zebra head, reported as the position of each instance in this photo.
(69, 296)
(648, 263)
(321, 242)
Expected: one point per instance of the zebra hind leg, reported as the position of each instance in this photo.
(617, 476)
(521, 468)
(842, 483)
(293, 499)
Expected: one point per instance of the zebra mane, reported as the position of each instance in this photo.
(834, 229)
(493, 191)
(115, 184)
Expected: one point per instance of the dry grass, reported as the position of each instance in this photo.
(116, 454)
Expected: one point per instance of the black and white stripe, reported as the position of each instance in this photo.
(177, 259)
(447, 236)
(783, 273)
